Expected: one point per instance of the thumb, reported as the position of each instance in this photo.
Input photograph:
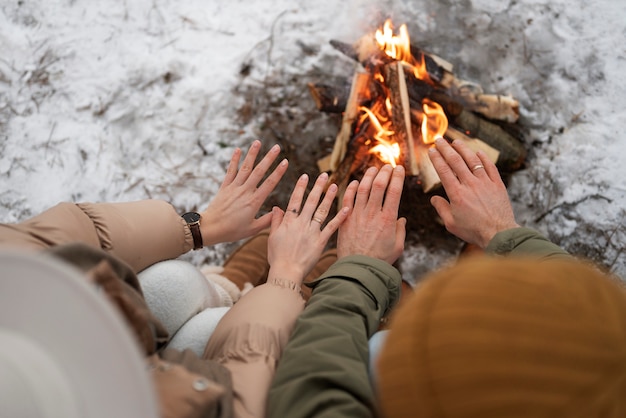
(401, 230)
(442, 207)
(263, 221)
(400, 234)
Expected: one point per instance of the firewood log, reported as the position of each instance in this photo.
(401, 115)
(428, 177)
(367, 52)
(474, 144)
(492, 106)
(360, 82)
(471, 95)
(512, 152)
(329, 99)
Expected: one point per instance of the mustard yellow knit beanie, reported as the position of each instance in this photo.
(508, 338)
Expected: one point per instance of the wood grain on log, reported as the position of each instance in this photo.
(401, 115)
(512, 152)
(360, 83)
(329, 99)
(492, 106)
(474, 144)
(428, 177)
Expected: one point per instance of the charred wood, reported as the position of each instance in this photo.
(367, 52)
(470, 95)
(329, 99)
(360, 82)
(512, 152)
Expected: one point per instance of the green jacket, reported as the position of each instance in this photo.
(324, 369)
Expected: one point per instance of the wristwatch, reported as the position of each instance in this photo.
(193, 221)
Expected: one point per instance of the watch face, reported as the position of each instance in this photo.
(191, 217)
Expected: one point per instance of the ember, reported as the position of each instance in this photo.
(401, 100)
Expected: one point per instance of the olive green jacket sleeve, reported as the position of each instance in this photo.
(140, 233)
(324, 369)
(524, 242)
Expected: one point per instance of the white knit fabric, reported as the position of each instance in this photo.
(176, 291)
(230, 290)
(195, 333)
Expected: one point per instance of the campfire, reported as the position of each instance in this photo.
(401, 99)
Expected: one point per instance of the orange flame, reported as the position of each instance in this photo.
(434, 122)
(380, 128)
(387, 150)
(398, 47)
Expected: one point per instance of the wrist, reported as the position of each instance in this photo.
(489, 236)
(193, 223)
(208, 233)
(286, 273)
(210, 229)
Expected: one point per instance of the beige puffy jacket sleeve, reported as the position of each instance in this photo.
(140, 233)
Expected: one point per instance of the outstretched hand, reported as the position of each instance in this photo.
(373, 228)
(297, 236)
(231, 215)
(478, 206)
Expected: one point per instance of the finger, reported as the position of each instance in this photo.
(490, 167)
(394, 191)
(471, 159)
(248, 163)
(350, 193)
(272, 180)
(231, 171)
(442, 206)
(365, 185)
(313, 199)
(323, 209)
(261, 223)
(276, 218)
(334, 224)
(443, 169)
(454, 160)
(379, 187)
(295, 201)
(261, 168)
(400, 236)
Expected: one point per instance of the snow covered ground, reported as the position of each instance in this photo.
(124, 100)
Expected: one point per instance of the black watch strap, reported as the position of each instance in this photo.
(193, 221)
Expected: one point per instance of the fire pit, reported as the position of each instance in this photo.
(400, 100)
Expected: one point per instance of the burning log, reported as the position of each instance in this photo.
(512, 153)
(428, 177)
(406, 94)
(341, 175)
(359, 85)
(401, 115)
(471, 95)
(366, 50)
(355, 162)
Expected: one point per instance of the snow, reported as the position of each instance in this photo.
(116, 101)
